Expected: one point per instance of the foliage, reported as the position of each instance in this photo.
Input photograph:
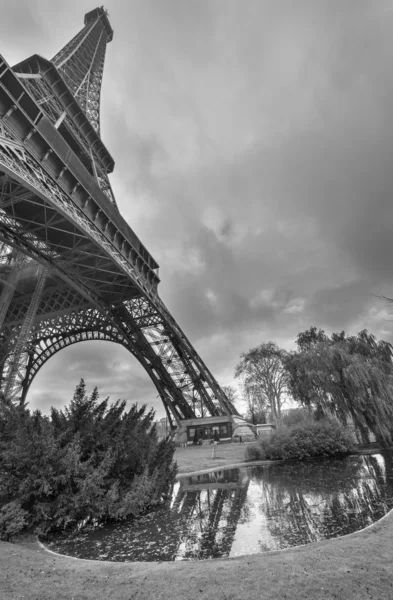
(256, 406)
(350, 377)
(255, 414)
(254, 452)
(256, 403)
(296, 416)
(264, 378)
(310, 439)
(89, 462)
(230, 392)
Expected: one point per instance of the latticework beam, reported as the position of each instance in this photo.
(81, 63)
(15, 263)
(24, 333)
(57, 208)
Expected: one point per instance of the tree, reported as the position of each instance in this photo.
(256, 403)
(264, 376)
(307, 339)
(230, 392)
(91, 462)
(348, 376)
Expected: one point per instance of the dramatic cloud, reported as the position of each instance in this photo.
(253, 144)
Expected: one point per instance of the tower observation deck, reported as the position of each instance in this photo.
(71, 268)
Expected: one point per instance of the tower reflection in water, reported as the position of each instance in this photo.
(212, 503)
(249, 510)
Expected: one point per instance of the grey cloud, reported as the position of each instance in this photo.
(253, 144)
(338, 307)
(108, 366)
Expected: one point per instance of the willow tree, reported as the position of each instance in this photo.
(262, 370)
(348, 376)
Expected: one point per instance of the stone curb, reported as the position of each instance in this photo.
(255, 463)
(227, 467)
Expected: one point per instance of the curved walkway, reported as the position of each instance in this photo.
(354, 567)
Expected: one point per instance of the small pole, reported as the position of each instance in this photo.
(213, 452)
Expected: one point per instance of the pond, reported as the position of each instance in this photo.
(248, 510)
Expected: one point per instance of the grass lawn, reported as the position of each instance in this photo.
(357, 567)
(196, 458)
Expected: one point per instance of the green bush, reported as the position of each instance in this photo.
(310, 439)
(89, 463)
(254, 452)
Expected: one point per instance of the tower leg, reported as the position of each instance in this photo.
(20, 346)
(16, 261)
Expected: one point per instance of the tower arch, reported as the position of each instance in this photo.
(89, 270)
(55, 346)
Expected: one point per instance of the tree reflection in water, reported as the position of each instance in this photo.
(306, 502)
(249, 510)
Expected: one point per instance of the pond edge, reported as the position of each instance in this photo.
(236, 465)
(156, 562)
(255, 463)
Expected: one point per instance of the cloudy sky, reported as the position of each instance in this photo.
(254, 157)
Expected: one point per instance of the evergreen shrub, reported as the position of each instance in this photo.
(87, 464)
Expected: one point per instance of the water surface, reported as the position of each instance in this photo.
(248, 510)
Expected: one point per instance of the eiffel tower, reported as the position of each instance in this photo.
(71, 267)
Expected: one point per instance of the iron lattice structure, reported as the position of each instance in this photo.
(71, 268)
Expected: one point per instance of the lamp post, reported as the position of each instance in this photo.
(193, 399)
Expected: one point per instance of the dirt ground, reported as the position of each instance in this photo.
(195, 458)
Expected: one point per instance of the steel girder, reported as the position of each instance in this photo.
(57, 208)
(24, 333)
(186, 379)
(64, 318)
(41, 91)
(57, 217)
(58, 326)
(81, 63)
(15, 263)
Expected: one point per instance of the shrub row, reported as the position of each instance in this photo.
(310, 439)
